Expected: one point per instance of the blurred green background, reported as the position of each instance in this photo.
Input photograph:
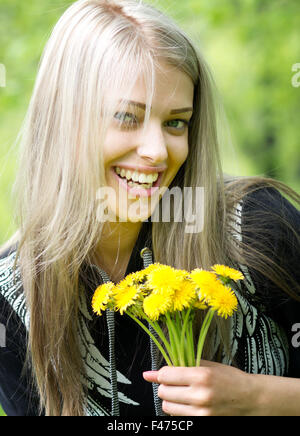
(250, 45)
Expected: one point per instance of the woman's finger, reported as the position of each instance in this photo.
(175, 409)
(178, 376)
(187, 395)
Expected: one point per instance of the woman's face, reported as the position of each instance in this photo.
(137, 162)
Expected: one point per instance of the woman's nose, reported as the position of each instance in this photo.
(152, 144)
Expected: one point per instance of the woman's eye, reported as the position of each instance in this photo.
(126, 118)
(178, 124)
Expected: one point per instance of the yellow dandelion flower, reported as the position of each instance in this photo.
(199, 305)
(224, 301)
(182, 274)
(151, 267)
(183, 295)
(125, 296)
(202, 277)
(143, 274)
(131, 279)
(206, 282)
(157, 304)
(227, 272)
(139, 276)
(162, 278)
(102, 297)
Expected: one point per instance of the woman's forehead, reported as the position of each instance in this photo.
(173, 89)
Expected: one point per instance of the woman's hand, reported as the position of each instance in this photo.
(212, 389)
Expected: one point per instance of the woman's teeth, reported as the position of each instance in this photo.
(137, 179)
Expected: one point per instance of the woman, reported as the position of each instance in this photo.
(124, 101)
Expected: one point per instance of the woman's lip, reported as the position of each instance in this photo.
(142, 169)
(139, 192)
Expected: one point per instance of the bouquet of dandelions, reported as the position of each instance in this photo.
(161, 294)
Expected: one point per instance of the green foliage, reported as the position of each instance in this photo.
(2, 412)
(250, 45)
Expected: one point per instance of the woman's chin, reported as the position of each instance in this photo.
(134, 213)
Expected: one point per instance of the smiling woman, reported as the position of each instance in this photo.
(144, 151)
(124, 100)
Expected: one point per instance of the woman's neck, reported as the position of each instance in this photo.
(115, 247)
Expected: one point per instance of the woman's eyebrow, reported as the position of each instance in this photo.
(181, 111)
(143, 106)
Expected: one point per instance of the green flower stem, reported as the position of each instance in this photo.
(184, 337)
(166, 357)
(184, 326)
(175, 335)
(203, 333)
(162, 336)
(178, 327)
(175, 352)
(178, 321)
(192, 357)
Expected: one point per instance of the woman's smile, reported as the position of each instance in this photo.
(139, 183)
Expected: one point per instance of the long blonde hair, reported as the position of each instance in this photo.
(96, 50)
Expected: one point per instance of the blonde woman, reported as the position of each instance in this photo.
(124, 105)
